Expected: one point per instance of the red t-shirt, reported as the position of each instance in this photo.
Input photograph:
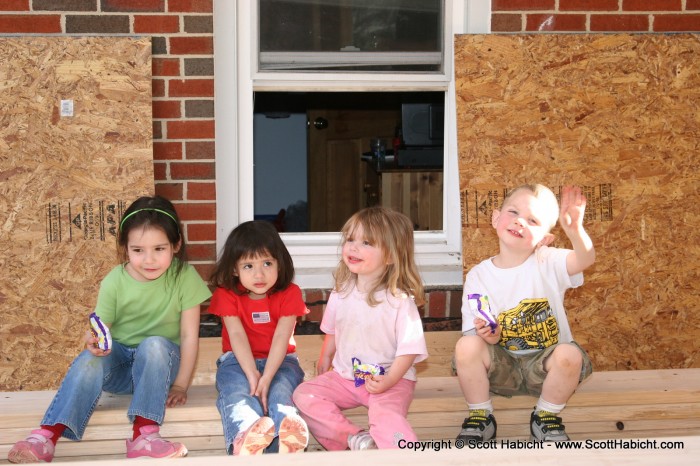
(258, 316)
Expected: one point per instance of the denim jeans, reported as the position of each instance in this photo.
(239, 410)
(146, 371)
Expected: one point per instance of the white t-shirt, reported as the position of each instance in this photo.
(374, 335)
(527, 300)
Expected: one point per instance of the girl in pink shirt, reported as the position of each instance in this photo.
(374, 335)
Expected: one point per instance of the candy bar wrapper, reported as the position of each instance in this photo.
(480, 307)
(362, 372)
(101, 332)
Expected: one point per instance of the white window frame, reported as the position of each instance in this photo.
(315, 255)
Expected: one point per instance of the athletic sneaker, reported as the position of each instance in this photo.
(479, 427)
(151, 445)
(37, 448)
(546, 427)
(256, 438)
(361, 441)
(293, 435)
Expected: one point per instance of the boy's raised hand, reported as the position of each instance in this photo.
(573, 206)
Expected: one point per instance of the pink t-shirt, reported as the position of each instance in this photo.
(374, 335)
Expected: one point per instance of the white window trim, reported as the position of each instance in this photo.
(315, 255)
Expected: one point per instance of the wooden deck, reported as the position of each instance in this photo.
(659, 405)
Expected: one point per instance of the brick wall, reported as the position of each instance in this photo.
(183, 84)
(595, 15)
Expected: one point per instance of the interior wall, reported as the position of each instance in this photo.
(75, 150)
(619, 115)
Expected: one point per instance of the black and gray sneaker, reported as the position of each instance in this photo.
(546, 427)
(479, 427)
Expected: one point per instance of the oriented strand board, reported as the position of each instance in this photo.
(75, 148)
(620, 115)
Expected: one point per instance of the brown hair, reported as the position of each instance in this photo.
(152, 212)
(250, 239)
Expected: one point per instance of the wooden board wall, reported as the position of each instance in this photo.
(64, 181)
(620, 115)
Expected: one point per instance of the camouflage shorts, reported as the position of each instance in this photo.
(517, 375)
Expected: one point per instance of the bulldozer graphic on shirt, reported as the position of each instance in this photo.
(528, 326)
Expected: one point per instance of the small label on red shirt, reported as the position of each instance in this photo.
(261, 317)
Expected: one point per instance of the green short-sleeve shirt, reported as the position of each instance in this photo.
(135, 310)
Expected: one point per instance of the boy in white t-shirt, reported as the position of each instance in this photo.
(528, 347)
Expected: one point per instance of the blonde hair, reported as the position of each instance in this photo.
(392, 232)
(550, 211)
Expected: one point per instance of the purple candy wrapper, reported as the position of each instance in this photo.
(362, 372)
(101, 332)
(479, 304)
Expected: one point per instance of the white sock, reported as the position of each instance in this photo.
(486, 406)
(544, 405)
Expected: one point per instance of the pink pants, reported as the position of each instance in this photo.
(321, 401)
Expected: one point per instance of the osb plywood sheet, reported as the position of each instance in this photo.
(618, 115)
(75, 147)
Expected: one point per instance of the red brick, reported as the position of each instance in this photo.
(611, 23)
(133, 5)
(201, 191)
(677, 23)
(201, 232)
(506, 23)
(195, 129)
(97, 24)
(156, 24)
(505, 5)
(157, 130)
(205, 271)
(191, 88)
(652, 5)
(201, 252)
(165, 67)
(166, 109)
(14, 5)
(547, 23)
(191, 6)
(167, 151)
(192, 45)
(455, 304)
(588, 5)
(315, 313)
(158, 88)
(64, 5)
(200, 150)
(160, 171)
(313, 296)
(692, 5)
(172, 191)
(196, 212)
(192, 171)
(437, 304)
(30, 23)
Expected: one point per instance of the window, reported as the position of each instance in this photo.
(358, 35)
(239, 76)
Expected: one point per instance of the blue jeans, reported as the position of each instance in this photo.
(146, 371)
(239, 410)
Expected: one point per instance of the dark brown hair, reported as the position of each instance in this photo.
(152, 212)
(250, 239)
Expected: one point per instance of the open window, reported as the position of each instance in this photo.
(248, 84)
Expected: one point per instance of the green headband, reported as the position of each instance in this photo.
(121, 225)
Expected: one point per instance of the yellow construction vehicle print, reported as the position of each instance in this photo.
(530, 325)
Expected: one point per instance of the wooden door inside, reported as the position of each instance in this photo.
(340, 128)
